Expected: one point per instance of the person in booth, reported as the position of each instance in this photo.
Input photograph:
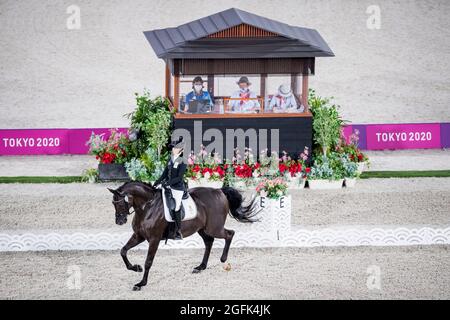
(285, 101)
(244, 100)
(198, 100)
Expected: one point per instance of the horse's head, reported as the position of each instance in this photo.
(122, 203)
(132, 194)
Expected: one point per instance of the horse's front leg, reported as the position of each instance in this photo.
(133, 242)
(152, 248)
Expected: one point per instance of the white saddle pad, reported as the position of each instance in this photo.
(190, 209)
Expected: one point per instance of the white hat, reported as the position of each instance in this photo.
(284, 90)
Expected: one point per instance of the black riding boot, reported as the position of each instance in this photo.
(177, 220)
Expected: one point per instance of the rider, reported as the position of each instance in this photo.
(172, 178)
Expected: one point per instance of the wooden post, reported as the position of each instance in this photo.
(176, 92)
(167, 89)
(305, 89)
(262, 89)
(211, 84)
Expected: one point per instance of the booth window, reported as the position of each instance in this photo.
(240, 94)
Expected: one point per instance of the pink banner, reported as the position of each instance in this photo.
(372, 137)
(34, 141)
(403, 136)
(47, 141)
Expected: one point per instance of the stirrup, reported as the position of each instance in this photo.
(178, 236)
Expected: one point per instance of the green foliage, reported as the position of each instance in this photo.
(329, 167)
(326, 122)
(155, 166)
(137, 170)
(350, 167)
(152, 119)
(90, 175)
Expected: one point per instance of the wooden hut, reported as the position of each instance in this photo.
(233, 43)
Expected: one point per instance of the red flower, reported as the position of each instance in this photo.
(282, 167)
(220, 171)
(206, 170)
(360, 157)
(196, 168)
(308, 170)
(108, 158)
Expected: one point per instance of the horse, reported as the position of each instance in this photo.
(213, 206)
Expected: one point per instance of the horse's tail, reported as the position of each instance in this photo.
(237, 210)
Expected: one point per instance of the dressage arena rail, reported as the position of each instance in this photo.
(274, 230)
(328, 237)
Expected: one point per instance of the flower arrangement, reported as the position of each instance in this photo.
(205, 166)
(272, 188)
(350, 147)
(111, 150)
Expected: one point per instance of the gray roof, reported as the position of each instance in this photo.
(188, 40)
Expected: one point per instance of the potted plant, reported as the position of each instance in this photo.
(272, 188)
(327, 123)
(351, 172)
(244, 170)
(112, 153)
(205, 170)
(294, 170)
(275, 207)
(90, 175)
(350, 147)
(149, 136)
(326, 173)
(148, 168)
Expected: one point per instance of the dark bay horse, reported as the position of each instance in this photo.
(213, 206)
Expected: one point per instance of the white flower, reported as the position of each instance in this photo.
(207, 175)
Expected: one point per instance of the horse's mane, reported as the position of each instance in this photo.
(145, 185)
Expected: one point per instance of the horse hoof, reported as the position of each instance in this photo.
(137, 288)
(137, 268)
(195, 270)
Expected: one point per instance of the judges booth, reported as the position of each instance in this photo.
(276, 58)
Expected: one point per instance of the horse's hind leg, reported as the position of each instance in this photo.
(133, 242)
(208, 240)
(229, 234)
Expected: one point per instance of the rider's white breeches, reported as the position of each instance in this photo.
(177, 195)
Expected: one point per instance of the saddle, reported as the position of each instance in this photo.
(188, 207)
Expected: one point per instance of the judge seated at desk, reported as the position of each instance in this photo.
(285, 101)
(198, 100)
(244, 100)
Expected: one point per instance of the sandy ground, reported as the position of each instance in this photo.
(339, 273)
(70, 165)
(374, 202)
(52, 76)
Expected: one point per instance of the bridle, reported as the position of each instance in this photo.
(125, 199)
